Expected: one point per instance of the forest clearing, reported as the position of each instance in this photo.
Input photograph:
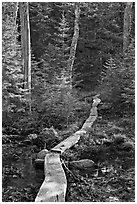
(68, 101)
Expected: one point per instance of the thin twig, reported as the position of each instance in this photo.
(63, 163)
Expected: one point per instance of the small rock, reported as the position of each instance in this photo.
(83, 164)
(15, 176)
(32, 136)
(127, 146)
(42, 154)
(100, 134)
(49, 133)
(119, 139)
(107, 142)
(112, 199)
(27, 142)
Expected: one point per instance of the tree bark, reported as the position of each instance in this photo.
(26, 47)
(127, 25)
(74, 42)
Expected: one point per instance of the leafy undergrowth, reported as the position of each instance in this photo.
(21, 181)
(116, 186)
(113, 180)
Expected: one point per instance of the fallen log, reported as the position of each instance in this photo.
(54, 186)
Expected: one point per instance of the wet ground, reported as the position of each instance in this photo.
(114, 180)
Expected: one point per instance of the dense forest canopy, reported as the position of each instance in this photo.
(96, 64)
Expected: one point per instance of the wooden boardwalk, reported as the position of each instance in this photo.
(68, 142)
(54, 186)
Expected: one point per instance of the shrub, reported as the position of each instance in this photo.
(117, 83)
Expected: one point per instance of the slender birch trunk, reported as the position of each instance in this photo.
(26, 46)
(15, 24)
(74, 42)
(127, 25)
(16, 11)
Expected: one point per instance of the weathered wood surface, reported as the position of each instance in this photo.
(54, 186)
(72, 140)
(89, 122)
(69, 142)
(93, 115)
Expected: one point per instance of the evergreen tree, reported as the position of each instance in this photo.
(117, 84)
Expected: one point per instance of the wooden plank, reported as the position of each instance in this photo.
(92, 117)
(89, 122)
(69, 142)
(54, 186)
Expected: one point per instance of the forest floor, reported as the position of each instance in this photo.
(114, 180)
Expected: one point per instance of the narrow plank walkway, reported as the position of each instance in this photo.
(69, 142)
(54, 186)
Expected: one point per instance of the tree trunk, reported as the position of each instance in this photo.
(26, 48)
(16, 11)
(127, 25)
(74, 42)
